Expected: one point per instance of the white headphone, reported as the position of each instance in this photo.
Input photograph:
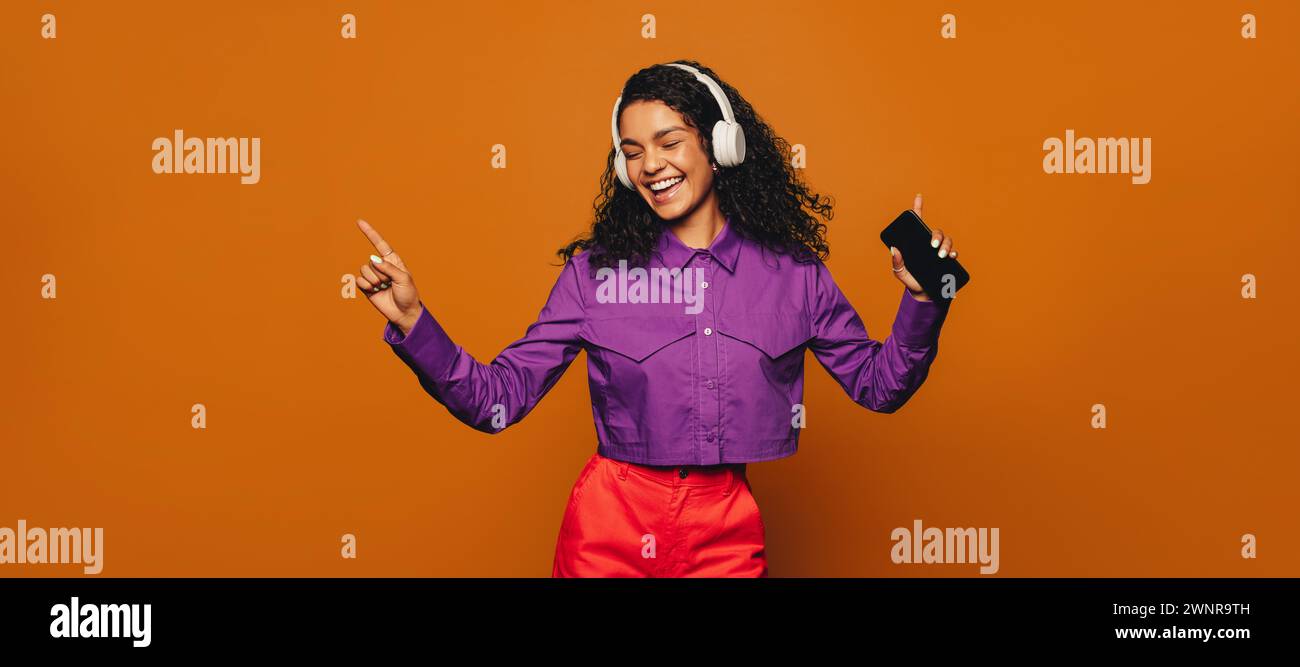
(728, 136)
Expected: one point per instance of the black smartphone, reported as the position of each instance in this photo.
(939, 277)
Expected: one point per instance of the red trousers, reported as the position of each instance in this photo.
(629, 520)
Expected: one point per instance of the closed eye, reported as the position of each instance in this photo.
(633, 156)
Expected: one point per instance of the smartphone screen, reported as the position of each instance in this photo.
(940, 277)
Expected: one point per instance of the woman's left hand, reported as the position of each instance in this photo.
(939, 240)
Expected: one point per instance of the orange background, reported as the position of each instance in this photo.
(183, 289)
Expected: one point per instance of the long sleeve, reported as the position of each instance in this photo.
(491, 396)
(878, 376)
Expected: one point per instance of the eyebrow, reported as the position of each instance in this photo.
(658, 134)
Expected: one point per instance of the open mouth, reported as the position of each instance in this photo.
(664, 195)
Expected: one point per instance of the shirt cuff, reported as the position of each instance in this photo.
(918, 322)
(426, 347)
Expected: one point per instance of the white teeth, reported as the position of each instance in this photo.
(665, 184)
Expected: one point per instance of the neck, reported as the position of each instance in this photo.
(698, 229)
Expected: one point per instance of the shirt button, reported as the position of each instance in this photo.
(704, 285)
(711, 437)
(682, 473)
(708, 331)
(709, 384)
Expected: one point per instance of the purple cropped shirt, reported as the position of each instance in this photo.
(689, 367)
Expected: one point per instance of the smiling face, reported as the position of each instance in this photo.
(662, 149)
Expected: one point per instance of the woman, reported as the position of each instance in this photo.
(695, 294)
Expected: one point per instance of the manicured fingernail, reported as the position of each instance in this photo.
(934, 243)
(375, 288)
(385, 285)
(376, 259)
(943, 253)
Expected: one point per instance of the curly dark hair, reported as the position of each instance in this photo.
(765, 197)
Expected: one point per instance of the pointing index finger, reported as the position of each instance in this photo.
(375, 239)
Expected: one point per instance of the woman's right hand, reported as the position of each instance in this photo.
(388, 284)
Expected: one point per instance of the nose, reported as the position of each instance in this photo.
(654, 164)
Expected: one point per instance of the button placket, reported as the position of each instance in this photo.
(710, 409)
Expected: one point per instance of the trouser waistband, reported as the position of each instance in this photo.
(687, 475)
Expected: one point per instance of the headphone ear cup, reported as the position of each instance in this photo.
(728, 143)
(720, 151)
(738, 141)
(620, 168)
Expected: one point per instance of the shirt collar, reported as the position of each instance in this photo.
(725, 248)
